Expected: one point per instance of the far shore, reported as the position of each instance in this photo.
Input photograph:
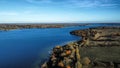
(7, 27)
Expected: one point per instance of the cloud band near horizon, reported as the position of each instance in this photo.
(78, 3)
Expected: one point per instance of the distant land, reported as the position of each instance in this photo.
(11, 26)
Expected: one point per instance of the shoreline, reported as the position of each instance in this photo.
(7, 27)
(74, 54)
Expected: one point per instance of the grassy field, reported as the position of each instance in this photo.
(104, 54)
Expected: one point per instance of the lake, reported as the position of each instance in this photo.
(24, 48)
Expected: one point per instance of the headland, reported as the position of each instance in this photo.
(98, 48)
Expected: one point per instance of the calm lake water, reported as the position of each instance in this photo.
(24, 48)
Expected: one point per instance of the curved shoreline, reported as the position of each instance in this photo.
(72, 55)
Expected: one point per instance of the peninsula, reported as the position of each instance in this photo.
(98, 48)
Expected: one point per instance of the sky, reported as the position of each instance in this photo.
(59, 11)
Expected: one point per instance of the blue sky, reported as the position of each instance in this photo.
(40, 11)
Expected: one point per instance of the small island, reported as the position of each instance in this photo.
(98, 48)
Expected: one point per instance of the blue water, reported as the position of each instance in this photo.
(22, 48)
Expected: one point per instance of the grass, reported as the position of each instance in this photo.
(105, 54)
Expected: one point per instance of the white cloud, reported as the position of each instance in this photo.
(9, 13)
(93, 3)
(109, 5)
(15, 13)
(39, 1)
(77, 3)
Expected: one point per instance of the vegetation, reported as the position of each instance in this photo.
(98, 48)
(28, 26)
